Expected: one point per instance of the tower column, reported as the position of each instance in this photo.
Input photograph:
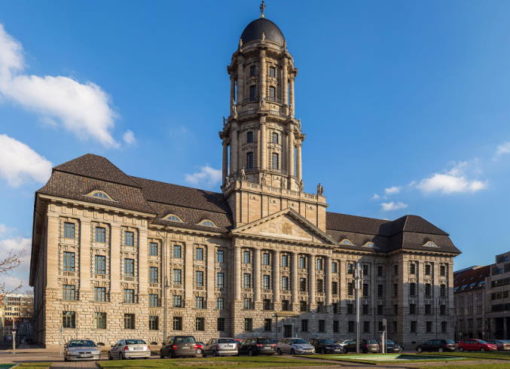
(290, 151)
(285, 84)
(225, 162)
(276, 278)
(262, 143)
(299, 163)
(232, 94)
(234, 150)
(262, 78)
(291, 92)
(294, 281)
(240, 80)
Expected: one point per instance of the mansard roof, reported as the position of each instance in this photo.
(77, 178)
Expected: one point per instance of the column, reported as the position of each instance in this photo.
(237, 272)
(263, 143)
(232, 94)
(299, 166)
(292, 109)
(188, 275)
(262, 76)
(85, 229)
(312, 283)
(240, 80)
(52, 252)
(290, 151)
(115, 259)
(285, 82)
(327, 281)
(143, 267)
(294, 281)
(211, 275)
(276, 278)
(224, 171)
(233, 150)
(256, 280)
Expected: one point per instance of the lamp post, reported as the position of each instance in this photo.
(358, 278)
(276, 326)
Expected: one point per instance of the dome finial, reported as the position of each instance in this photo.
(262, 8)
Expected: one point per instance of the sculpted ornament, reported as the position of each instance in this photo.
(320, 189)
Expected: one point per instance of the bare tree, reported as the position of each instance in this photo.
(10, 262)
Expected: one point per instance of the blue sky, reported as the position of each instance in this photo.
(405, 104)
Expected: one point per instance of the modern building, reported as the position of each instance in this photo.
(482, 300)
(16, 311)
(117, 256)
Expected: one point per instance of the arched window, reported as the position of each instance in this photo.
(272, 93)
(172, 218)
(100, 195)
(275, 161)
(207, 223)
(275, 138)
(249, 137)
(249, 160)
(253, 93)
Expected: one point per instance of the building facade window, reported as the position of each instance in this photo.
(253, 93)
(266, 282)
(129, 238)
(220, 280)
(199, 253)
(413, 326)
(272, 72)
(200, 302)
(153, 323)
(220, 303)
(177, 276)
(249, 137)
(100, 294)
(248, 324)
(304, 325)
(249, 160)
(247, 280)
(275, 161)
(268, 325)
(129, 267)
(275, 138)
(69, 292)
(129, 296)
(177, 251)
(334, 267)
(266, 258)
(220, 256)
(285, 283)
(285, 260)
(302, 284)
(69, 261)
(199, 278)
(177, 301)
(177, 323)
(302, 262)
(322, 325)
(153, 249)
(69, 319)
(100, 319)
(412, 289)
(100, 235)
(220, 324)
(100, 264)
(69, 230)
(129, 321)
(272, 93)
(154, 300)
(153, 274)
(303, 306)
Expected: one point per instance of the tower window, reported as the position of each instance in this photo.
(253, 93)
(272, 93)
(249, 160)
(272, 72)
(275, 138)
(275, 161)
(249, 137)
(253, 71)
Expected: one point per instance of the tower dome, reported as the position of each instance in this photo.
(256, 28)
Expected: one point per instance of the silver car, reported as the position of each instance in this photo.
(81, 350)
(221, 347)
(294, 346)
(129, 349)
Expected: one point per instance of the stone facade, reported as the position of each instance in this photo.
(117, 256)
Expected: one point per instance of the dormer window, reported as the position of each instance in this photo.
(430, 244)
(207, 223)
(173, 218)
(249, 137)
(100, 195)
(369, 244)
(346, 242)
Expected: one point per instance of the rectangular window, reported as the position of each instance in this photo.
(428, 326)
(320, 285)
(253, 93)
(220, 303)
(266, 304)
(336, 326)
(153, 249)
(129, 321)
(69, 319)
(100, 264)
(177, 323)
(334, 267)
(266, 258)
(246, 257)
(412, 309)
(442, 310)
(413, 326)
(220, 256)
(285, 283)
(303, 306)
(69, 261)
(336, 308)
(380, 291)
(412, 289)
(253, 71)
(442, 270)
(153, 274)
(322, 325)
(380, 270)
(268, 325)
(100, 234)
(443, 290)
(177, 301)
(247, 280)
(129, 238)
(153, 323)
(247, 303)
(350, 288)
(395, 290)
(266, 282)
(365, 309)
(365, 269)
(428, 269)
(365, 290)
(100, 294)
(366, 327)
(395, 309)
(220, 280)
(428, 290)
(350, 326)
(286, 305)
(350, 268)
(69, 230)
(200, 302)
(220, 324)
(428, 309)
(129, 267)
(379, 309)
(129, 296)
(69, 292)
(350, 308)
(100, 320)
(302, 262)
(199, 278)
(178, 276)
(285, 260)
(248, 324)
(395, 269)
(320, 264)
(304, 325)
(444, 326)
(154, 300)
(275, 161)
(334, 288)
(272, 72)
(272, 93)
(199, 253)
(412, 268)
(177, 251)
(302, 284)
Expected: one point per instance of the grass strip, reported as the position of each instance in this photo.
(474, 366)
(497, 355)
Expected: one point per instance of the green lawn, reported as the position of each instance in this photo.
(496, 355)
(34, 365)
(384, 359)
(474, 366)
(212, 363)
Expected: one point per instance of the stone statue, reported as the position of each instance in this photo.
(227, 181)
(320, 189)
(234, 111)
(301, 185)
(243, 175)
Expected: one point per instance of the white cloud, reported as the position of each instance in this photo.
(503, 149)
(4, 229)
(375, 197)
(207, 175)
(453, 181)
(19, 163)
(392, 190)
(392, 205)
(129, 137)
(81, 108)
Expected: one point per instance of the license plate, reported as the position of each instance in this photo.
(85, 355)
(186, 347)
(138, 348)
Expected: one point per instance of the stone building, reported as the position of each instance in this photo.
(16, 310)
(118, 256)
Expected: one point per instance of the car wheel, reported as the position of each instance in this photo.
(251, 353)
(482, 349)
(461, 349)
(440, 349)
(292, 352)
(279, 352)
(419, 349)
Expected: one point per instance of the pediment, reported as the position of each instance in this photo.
(285, 225)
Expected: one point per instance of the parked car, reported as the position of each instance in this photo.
(200, 347)
(370, 345)
(258, 346)
(81, 350)
(294, 346)
(129, 349)
(221, 347)
(178, 346)
(502, 345)
(393, 347)
(476, 345)
(439, 345)
(327, 346)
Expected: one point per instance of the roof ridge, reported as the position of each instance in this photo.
(174, 184)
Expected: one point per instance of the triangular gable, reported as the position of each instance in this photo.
(285, 225)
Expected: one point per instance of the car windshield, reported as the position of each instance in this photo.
(450, 342)
(328, 342)
(371, 342)
(265, 340)
(81, 343)
(226, 340)
(481, 341)
(390, 342)
(184, 340)
(135, 342)
(298, 341)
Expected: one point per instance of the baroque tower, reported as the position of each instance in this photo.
(262, 139)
